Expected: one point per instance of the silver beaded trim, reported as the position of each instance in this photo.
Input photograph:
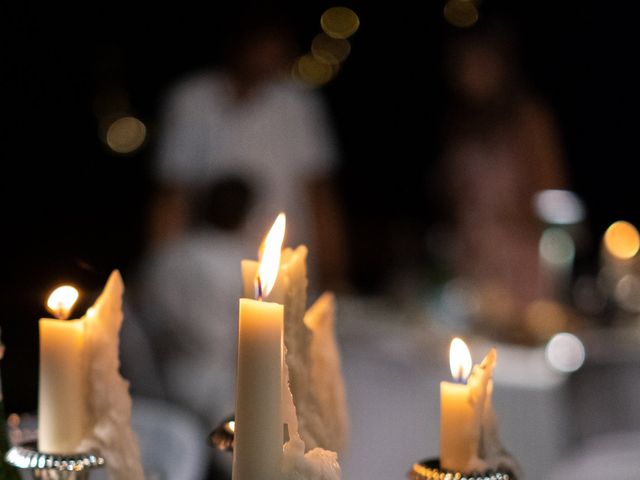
(26, 456)
(430, 470)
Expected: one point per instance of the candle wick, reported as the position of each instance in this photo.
(60, 313)
(461, 374)
(258, 288)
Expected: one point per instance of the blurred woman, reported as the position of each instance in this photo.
(501, 147)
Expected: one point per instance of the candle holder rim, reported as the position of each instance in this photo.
(27, 456)
(429, 469)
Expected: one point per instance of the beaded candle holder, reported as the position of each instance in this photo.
(46, 466)
(430, 470)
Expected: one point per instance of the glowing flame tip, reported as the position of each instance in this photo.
(459, 360)
(270, 263)
(61, 301)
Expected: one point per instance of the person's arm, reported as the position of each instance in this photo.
(544, 146)
(318, 157)
(330, 234)
(168, 215)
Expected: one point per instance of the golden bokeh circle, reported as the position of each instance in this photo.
(330, 50)
(126, 134)
(313, 72)
(461, 13)
(339, 22)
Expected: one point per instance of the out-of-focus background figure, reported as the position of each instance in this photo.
(187, 298)
(502, 146)
(248, 118)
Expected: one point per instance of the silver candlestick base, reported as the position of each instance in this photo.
(222, 435)
(47, 466)
(430, 470)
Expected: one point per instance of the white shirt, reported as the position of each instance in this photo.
(277, 139)
(189, 293)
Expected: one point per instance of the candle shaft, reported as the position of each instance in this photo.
(259, 424)
(62, 397)
(458, 426)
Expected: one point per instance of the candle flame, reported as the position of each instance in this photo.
(61, 301)
(459, 360)
(270, 262)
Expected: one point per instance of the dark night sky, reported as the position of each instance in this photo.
(388, 102)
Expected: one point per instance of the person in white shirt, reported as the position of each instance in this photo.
(251, 121)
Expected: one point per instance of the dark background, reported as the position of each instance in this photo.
(72, 210)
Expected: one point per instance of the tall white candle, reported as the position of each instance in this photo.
(259, 424)
(62, 395)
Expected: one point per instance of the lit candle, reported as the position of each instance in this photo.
(62, 396)
(456, 412)
(259, 425)
(313, 399)
(312, 356)
(463, 410)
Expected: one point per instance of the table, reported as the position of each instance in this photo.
(393, 362)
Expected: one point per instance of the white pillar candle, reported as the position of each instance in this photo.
(62, 395)
(458, 424)
(466, 417)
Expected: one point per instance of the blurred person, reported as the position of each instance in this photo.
(501, 147)
(188, 292)
(186, 295)
(248, 118)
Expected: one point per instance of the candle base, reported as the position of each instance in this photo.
(46, 466)
(430, 470)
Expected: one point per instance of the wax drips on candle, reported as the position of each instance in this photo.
(316, 464)
(109, 400)
(490, 453)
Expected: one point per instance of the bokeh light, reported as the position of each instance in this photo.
(312, 72)
(557, 247)
(340, 22)
(330, 50)
(565, 352)
(126, 134)
(13, 420)
(622, 240)
(560, 207)
(461, 13)
(588, 296)
(627, 293)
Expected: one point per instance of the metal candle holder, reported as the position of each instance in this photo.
(222, 436)
(47, 466)
(430, 470)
